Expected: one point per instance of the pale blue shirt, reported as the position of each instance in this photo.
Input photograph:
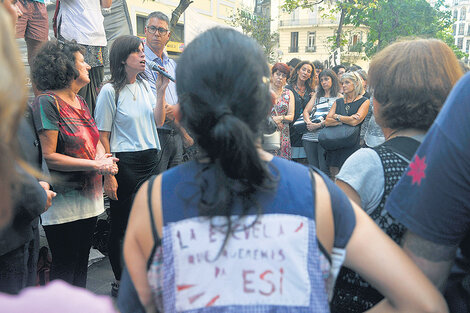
(170, 96)
(131, 122)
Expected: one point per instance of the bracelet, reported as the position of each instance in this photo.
(338, 117)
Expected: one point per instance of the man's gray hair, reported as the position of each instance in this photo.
(158, 15)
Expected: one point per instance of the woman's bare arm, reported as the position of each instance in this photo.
(357, 118)
(65, 163)
(380, 261)
(139, 242)
(289, 117)
(330, 120)
(349, 191)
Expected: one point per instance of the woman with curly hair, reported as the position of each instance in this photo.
(76, 158)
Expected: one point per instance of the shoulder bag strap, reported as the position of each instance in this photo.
(404, 147)
(53, 97)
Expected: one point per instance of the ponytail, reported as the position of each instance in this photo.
(224, 97)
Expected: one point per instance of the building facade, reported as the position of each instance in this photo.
(200, 15)
(461, 28)
(306, 34)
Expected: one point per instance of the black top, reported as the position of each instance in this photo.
(300, 103)
(348, 109)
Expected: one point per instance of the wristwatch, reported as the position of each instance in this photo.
(337, 118)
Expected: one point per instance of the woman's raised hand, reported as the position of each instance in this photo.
(162, 82)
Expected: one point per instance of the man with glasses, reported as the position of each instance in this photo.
(170, 134)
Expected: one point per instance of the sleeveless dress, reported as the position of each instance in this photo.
(271, 263)
(281, 108)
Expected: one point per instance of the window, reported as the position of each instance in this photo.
(467, 49)
(455, 14)
(140, 21)
(463, 14)
(468, 30)
(460, 43)
(461, 29)
(177, 33)
(311, 36)
(311, 39)
(355, 39)
(355, 43)
(454, 30)
(294, 42)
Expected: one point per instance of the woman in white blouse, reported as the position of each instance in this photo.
(127, 115)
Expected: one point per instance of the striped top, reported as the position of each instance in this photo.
(323, 106)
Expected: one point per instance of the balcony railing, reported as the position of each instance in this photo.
(294, 49)
(302, 22)
(355, 48)
(311, 49)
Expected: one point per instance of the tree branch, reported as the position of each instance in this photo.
(175, 16)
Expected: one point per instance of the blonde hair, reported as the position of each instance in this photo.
(356, 79)
(12, 104)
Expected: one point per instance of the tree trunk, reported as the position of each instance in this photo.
(340, 27)
(175, 16)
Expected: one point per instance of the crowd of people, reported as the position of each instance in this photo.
(367, 161)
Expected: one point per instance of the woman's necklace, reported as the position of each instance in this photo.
(133, 93)
(299, 90)
(347, 104)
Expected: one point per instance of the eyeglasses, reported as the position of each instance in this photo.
(162, 31)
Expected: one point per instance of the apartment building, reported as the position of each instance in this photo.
(461, 28)
(306, 34)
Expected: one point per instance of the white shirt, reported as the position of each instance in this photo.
(363, 171)
(132, 125)
(82, 20)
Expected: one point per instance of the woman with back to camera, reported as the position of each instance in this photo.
(224, 233)
(283, 108)
(301, 85)
(326, 94)
(75, 157)
(352, 111)
(405, 106)
(127, 114)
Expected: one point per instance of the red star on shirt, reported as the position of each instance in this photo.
(417, 168)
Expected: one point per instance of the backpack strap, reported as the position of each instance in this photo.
(404, 147)
(50, 94)
(156, 237)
